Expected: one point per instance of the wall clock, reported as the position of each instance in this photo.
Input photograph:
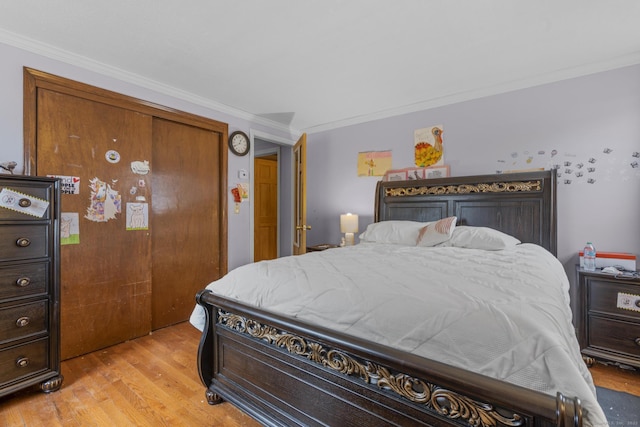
(239, 143)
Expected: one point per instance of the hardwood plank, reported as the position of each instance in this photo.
(615, 378)
(149, 381)
(153, 381)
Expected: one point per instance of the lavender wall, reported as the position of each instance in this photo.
(577, 118)
(570, 121)
(11, 136)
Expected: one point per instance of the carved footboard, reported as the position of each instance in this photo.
(285, 372)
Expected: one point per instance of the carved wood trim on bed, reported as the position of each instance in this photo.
(520, 204)
(283, 371)
(434, 397)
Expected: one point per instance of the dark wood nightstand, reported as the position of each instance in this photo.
(321, 247)
(609, 317)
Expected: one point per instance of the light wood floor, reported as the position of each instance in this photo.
(153, 381)
(616, 379)
(150, 381)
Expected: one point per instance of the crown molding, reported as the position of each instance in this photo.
(55, 53)
(538, 80)
(52, 52)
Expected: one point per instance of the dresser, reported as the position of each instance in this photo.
(608, 317)
(29, 283)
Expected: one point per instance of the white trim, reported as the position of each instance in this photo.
(52, 52)
(556, 76)
(49, 51)
(275, 139)
(253, 134)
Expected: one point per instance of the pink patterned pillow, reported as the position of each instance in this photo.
(437, 232)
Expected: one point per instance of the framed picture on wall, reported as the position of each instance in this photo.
(373, 163)
(436, 172)
(415, 173)
(395, 175)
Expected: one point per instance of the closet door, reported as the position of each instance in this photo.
(186, 217)
(106, 267)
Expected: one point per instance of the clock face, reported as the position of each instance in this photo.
(239, 143)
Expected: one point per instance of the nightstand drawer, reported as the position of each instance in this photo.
(603, 297)
(23, 360)
(23, 279)
(24, 241)
(23, 320)
(614, 335)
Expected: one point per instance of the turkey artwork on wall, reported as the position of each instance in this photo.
(429, 150)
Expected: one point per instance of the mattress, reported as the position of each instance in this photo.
(502, 313)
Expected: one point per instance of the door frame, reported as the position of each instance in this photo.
(301, 226)
(284, 144)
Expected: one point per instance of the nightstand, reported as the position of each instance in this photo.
(321, 247)
(608, 317)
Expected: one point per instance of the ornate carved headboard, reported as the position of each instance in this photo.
(520, 204)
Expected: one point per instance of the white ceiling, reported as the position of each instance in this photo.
(312, 65)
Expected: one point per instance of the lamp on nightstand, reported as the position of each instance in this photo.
(348, 226)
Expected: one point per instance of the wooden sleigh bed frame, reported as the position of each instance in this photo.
(283, 371)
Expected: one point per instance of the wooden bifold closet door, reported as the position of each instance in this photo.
(147, 240)
(186, 217)
(106, 277)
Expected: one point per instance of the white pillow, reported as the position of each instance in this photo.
(481, 238)
(436, 232)
(396, 232)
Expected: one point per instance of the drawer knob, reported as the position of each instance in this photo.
(23, 281)
(638, 341)
(24, 203)
(23, 242)
(22, 362)
(22, 322)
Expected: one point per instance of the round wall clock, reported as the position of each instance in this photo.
(239, 143)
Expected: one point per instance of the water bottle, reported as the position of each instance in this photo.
(589, 257)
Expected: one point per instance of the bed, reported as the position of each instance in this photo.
(393, 332)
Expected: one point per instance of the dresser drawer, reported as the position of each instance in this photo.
(24, 241)
(23, 320)
(23, 279)
(23, 360)
(42, 192)
(603, 297)
(614, 335)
